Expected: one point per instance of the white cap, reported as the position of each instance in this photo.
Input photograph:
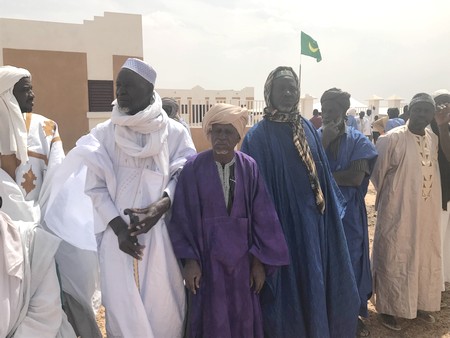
(142, 68)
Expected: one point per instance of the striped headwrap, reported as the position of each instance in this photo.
(299, 136)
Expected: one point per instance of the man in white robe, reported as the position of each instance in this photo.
(407, 246)
(30, 144)
(30, 303)
(30, 152)
(140, 152)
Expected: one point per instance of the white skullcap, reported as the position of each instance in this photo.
(142, 68)
(222, 113)
(440, 92)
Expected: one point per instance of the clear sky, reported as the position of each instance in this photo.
(382, 47)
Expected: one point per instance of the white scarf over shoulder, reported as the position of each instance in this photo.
(151, 122)
(13, 132)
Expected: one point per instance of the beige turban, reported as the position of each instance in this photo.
(13, 132)
(222, 113)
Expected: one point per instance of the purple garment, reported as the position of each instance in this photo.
(201, 229)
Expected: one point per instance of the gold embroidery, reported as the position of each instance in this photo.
(49, 127)
(28, 183)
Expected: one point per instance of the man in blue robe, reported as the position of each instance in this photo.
(316, 295)
(225, 229)
(351, 156)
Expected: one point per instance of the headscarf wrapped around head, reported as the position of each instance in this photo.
(421, 97)
(298, 132)
(337, 95)
(351, 112)
(168, 101)
(13, 132)
(441, 92)
(282, 71)
(142, 68)
(222, 113)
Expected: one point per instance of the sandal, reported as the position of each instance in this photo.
(425, 317)
(390, 322)
(361, 329)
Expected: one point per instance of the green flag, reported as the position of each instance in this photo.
(310, 47)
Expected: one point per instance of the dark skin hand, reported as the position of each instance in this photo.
(257, 275)
(147, 217)
(127, 243)
(192, 274)
(349, 178)
(9, 164)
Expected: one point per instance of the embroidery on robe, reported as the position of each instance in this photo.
(49, 127)
(28, 183)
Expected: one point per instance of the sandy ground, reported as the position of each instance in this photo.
(410, 328)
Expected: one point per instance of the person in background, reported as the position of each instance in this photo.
(405, 115)
(407, 271)
(316, 295)
(316, 120)
(225, 229)
(172, 108)
(394, 121)
(364, 125)
(351, 156)
(351, 120)
(440, 126)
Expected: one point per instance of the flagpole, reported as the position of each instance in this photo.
(300, 81)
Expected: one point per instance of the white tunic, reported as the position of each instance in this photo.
(155, 308)
(407, 247)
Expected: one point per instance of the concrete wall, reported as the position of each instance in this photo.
(59, 82)
(63, 57)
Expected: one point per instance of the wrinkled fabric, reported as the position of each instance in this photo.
(316, 295)
(406, 256)
(354, 146)
(202, 229)
(222, 113)
(153, 304)
(13, 135)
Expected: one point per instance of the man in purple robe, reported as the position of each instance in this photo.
(226, 231)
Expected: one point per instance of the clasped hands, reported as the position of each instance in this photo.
(141, 221)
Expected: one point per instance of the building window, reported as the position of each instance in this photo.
(101, 94)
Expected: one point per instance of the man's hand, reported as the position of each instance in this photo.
(127, 244)
(257, 275)
(330, 131)
(192, 275)
(442, 115)
(147, 217)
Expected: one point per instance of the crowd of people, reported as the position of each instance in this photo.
(267, 241)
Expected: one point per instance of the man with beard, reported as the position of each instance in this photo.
(316, 295)
(407, 243)
(134, 163)
(351, 156)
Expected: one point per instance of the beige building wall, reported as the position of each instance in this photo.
(62, 58)
(59, 82)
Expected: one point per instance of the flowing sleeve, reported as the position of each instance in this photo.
(181, 147)
(383, 163)
(185, 226)
(268, 242)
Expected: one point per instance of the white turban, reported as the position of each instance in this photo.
(13, 132)
(142, 68)
(222, 113)
(440, 92)
(351, 112)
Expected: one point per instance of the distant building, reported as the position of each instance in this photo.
(73, 66)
